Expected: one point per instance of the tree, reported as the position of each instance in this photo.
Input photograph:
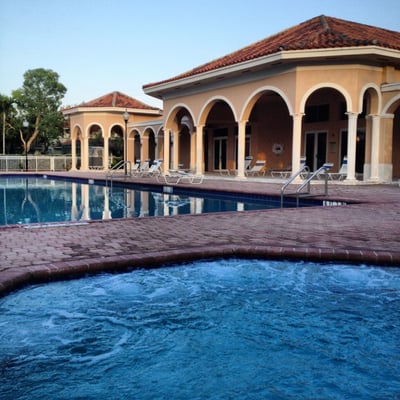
(6, 107)
(38, 102)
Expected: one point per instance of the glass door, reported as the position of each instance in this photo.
(315, 149)
(220, 146)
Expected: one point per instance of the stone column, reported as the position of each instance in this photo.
(296, 141)
(199, 150)
(241, 147)
(167, 150)
(73, 153)
(175, 148)
(85, 153)
(106, 150)
(375, 148)
(351, 146)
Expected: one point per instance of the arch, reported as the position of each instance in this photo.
(208, 105)
(376, 98)
(148, 130)
(160, 131)
(391, 105)
(326, 85)
(89, 126)
(174, 111)
(252, 100)
(76, 129)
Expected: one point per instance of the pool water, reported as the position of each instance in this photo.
(221, 329)
(40, 200)
(43, 200)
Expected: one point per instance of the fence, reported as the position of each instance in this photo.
(36, 163)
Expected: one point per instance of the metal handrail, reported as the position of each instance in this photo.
(303, 170)
(118, 166)
(325, 167)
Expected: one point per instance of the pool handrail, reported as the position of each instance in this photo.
(303, 170)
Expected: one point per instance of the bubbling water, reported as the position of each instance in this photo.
(218, 329)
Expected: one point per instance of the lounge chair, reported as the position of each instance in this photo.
(154, 170)
(257, 169)
(342, 174)
(143, 168)
(282, 173)
(247, 162)
(175, 176)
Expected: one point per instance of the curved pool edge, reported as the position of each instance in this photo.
(15, 279)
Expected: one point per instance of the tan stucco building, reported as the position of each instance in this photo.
(325, 89)
(98, 131)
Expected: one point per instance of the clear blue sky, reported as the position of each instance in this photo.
(98, 46)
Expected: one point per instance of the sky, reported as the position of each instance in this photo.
(101, 46)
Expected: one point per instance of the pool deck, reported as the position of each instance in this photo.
(366, 232)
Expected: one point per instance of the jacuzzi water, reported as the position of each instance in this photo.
(223, 329)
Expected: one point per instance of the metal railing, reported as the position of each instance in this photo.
(303, 172)
(35, 163)
(305, 188)
(121, 166)
(307, 183)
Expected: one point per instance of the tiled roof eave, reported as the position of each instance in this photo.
(341, 52)
(281, 56)
(213, 74)
(132, 110)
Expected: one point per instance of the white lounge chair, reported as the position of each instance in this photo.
(342, 174)
(175, 176)
(247, 162)
(257, 169)
(155, 169)
(143, 168)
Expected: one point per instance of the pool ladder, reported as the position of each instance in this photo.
(304, 189)
(117, 168)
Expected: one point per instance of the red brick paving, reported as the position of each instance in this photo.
(365, 232)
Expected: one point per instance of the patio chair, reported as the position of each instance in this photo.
(135, 167)
(175, 176)
(257, 169)
(143, 168)
(282, 173)
(247, 162)
(154, 170)
(342, 174)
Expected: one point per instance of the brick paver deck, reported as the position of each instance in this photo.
(365, 232)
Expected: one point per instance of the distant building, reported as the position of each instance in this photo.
(325, 89)
(98, 126)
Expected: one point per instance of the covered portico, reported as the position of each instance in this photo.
(317, 90)
(107, 127)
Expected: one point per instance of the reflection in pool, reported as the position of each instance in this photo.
(222, 329)
(38, 200)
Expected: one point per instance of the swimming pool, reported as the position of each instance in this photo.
(42, 200)
(222, 329)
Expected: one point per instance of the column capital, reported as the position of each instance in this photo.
(351, 115)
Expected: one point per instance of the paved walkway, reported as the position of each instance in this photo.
(367, 231)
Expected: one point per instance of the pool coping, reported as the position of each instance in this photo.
(13, 280)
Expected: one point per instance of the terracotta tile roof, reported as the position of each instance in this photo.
(116, 99)
(317, 33)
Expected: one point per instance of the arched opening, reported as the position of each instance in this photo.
(219, 138)
(96, 147)
(75, 148)
(325, 130)
(116, 142)
(394, 134)
(151, 145)
(269, 132)
(136, 146)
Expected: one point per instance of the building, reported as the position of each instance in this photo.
(98, 130)
(325, 89)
